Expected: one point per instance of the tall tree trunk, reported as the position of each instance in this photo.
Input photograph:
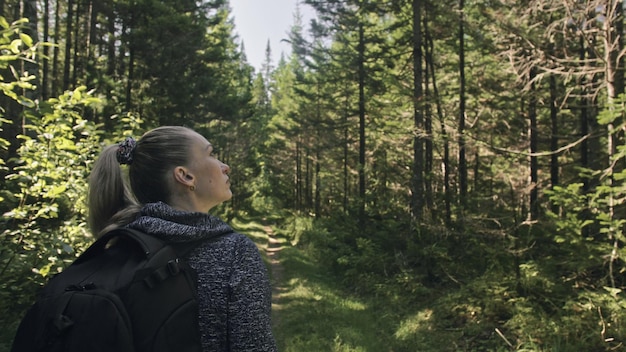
(616, 65)
(417, 182)
(554, 137)
(361, 63)
(346, 136)
(29, 11)
(308, 179)
(444, 135)
(585, 133)
(54, 90)
(461, 127)
(77, 73)
(534, 149)
(131, 77)
(317, 146)
(90, 53)
(613, 50)
(318, 185)
(428, 142)
(92, 10)
(111, 43)
(132, 43)
(125, 46)
(111, 62)
(68, 45)
(46, 51)
(298, 198)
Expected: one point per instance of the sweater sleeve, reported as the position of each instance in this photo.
(249, 325)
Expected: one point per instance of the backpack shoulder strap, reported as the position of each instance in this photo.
(147, 244)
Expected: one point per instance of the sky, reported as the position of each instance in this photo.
(257, 21)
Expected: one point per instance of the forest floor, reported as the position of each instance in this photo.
(311, 312)
(277, 271)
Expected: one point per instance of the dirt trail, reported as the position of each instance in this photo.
(278, 287)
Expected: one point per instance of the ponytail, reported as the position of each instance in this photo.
(111, 203)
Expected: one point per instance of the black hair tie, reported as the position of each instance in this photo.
(125, 151)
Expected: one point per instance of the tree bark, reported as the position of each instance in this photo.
(428, 141)
(612, 50)
(361, 64)
(417, 184)
(346, 182)
(68, 45)
(79, 54)
(554, 137)
(54, 90)
(93, 10)
(534, 148)
(45, 62)
(461, 127)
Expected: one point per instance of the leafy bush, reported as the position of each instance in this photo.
(43, 209)
(44, 213)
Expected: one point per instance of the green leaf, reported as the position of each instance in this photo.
(613, 291)
(26, 39)
(15, 46)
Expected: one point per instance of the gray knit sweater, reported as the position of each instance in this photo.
(233, 287)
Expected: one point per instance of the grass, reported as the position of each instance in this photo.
(312, 313)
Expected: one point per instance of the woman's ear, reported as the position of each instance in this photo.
(182, 176)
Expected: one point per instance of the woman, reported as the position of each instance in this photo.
(175, 180)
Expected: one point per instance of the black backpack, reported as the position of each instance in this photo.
(129, 291)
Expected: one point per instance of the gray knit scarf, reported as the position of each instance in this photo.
(165, 222)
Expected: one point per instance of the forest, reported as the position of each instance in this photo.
(454, 172)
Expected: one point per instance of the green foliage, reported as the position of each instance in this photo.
(591, 321)
(575, 201)
(296, 227)
(43, 215)
(590, 229)
(313, 313)
(444, 296)
(15, 46)
(44, 193)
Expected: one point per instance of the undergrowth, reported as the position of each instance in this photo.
(351, 294)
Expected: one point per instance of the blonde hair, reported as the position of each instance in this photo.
(112, 203)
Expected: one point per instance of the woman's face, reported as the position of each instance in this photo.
(210, 176)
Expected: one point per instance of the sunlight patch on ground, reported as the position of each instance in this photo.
(410, 326)
(353, 305)
(341, 346)
(301, 290)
